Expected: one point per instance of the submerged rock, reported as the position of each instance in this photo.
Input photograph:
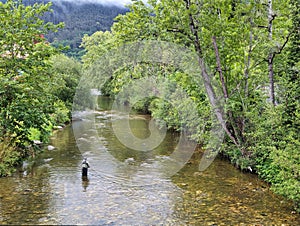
(47, 160)
(129, 160)
(37, 142)
(58, 127)
(50, 148)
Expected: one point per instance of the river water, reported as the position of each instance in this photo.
(123, 187)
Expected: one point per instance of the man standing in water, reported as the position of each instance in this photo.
(85, 165)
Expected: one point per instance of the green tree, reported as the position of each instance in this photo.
(66, 73)
(26, 102)
(96, 45)
(286, 157)
(250, 49)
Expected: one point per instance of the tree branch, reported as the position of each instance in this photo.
(219, 67)
(283, 45)
(194, 30)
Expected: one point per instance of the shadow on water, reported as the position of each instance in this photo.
(123, 187)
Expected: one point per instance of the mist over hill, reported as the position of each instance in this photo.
(80, 17)
(103, 2)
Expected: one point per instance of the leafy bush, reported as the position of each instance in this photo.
(61, 113)
(9, 157)
(276, 152)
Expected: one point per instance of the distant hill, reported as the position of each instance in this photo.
(79, 19)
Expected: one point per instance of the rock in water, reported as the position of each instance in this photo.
(50, 148)
(129, 160)
(37, 142)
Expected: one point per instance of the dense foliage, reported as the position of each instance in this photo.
(33, 84)
(252, 48)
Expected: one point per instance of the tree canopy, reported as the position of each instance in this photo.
(250, 49)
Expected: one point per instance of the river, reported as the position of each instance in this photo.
(123, 187)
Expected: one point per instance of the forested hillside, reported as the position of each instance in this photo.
(79, 19)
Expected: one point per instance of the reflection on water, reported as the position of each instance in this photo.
(85, 183)
(124, 188)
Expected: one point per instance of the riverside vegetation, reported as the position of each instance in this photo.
(37, 83)
(250, 47)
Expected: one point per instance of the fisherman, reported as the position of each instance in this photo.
(85, 165)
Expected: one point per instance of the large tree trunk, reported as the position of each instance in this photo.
(232, 122)
(271, 78)
(248, 61)
(271, 17)
(206, 77)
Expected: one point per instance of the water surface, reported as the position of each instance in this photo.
(124, 187)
